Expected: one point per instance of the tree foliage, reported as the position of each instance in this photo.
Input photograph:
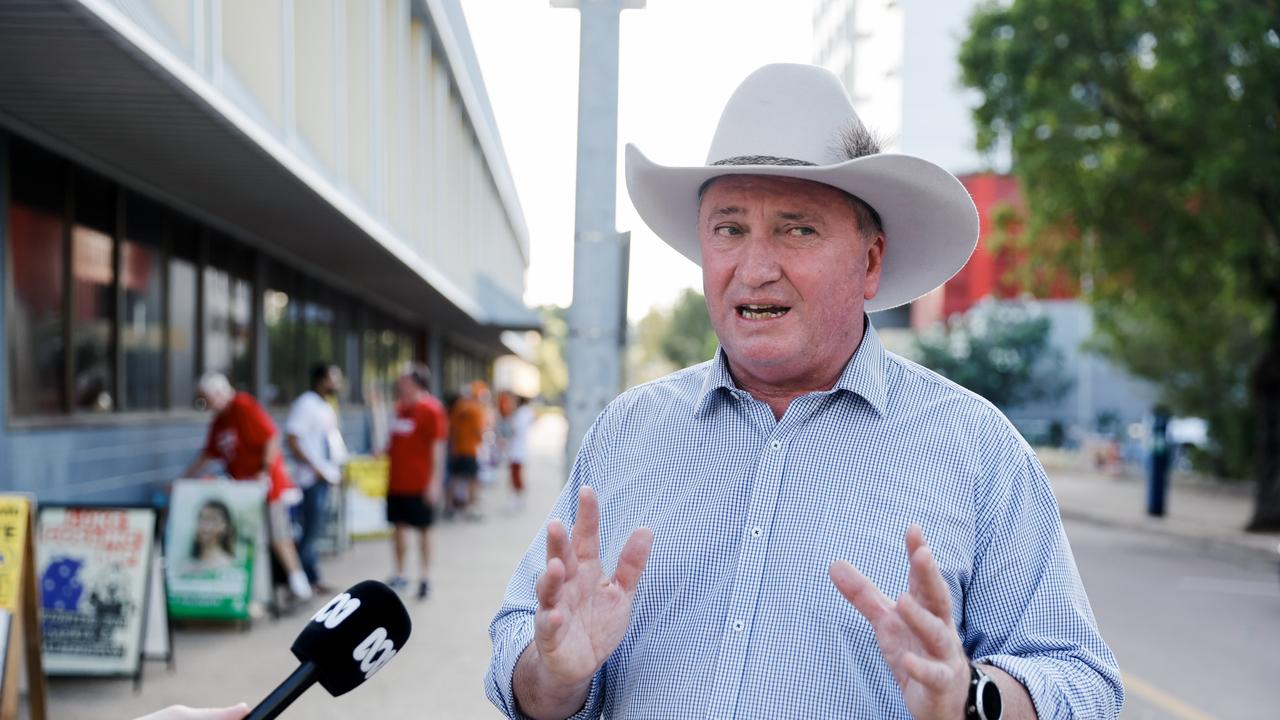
(999, 350)
(553, 371)
(690, 338)
(1146, 135)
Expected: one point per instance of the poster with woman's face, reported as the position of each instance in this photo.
(210, 543)
(92, 570)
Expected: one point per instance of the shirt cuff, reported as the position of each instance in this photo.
(1045, 694)
(519, 640)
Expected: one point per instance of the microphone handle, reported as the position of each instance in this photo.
(284, 695)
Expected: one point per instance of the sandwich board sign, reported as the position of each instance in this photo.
(19, 621)
(94, 566)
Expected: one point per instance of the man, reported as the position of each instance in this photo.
(738, 526)
(468, 419)
(243, 437)
(319, 451)
(417, 446)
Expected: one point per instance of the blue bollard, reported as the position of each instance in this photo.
(1158, 463)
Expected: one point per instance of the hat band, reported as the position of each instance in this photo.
(763, 160)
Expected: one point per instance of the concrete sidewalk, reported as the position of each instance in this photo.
(440, 672)
(1202, 512)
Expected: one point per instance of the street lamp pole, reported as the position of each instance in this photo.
(597, 318)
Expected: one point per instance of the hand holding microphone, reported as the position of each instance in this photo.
(344, 644)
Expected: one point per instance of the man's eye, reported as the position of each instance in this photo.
(801, 231)
(728, 231)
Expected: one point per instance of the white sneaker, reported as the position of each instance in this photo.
(299, 585)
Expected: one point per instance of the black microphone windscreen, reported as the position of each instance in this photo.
(354, 635)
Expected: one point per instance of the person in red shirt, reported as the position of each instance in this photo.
(416, 451)
(244, 438)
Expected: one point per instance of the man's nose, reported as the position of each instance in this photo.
(758, 264)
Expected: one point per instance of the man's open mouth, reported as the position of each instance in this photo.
(761, 312)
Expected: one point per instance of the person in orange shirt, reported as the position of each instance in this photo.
(468, 419)
(244, 438)
(417, 446)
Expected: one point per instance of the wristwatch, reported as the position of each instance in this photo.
(984, 697)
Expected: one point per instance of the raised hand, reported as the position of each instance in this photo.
(582, 615)
(916, 634)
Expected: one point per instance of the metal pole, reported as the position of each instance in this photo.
(596, 335)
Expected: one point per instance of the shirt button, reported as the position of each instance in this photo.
(756, 532)
(738, 625)
(775, 445)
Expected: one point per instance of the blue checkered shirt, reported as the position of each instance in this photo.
(736, 616)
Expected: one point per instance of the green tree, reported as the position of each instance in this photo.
(1146, 135)
(552, 369)
(999, 350)
(689, 337)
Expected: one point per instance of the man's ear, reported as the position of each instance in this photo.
(875, 266)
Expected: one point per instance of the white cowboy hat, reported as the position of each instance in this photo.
(797, 121)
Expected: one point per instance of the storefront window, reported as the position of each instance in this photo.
(37, 385)
(141, 323)
(182, 332)
(280, 313)
(92, 296)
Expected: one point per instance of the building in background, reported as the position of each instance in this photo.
(249, 187)
(899, 62)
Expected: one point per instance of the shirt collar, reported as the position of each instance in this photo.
(863, 375)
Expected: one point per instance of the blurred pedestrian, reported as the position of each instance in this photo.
(413, 489)
(467, 423)
(519, 425)
(319, 452)
(243, 437)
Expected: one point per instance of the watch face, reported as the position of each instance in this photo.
(989, 700)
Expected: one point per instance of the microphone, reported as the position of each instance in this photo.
(343, 644)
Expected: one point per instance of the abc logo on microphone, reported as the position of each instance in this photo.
(353, 635)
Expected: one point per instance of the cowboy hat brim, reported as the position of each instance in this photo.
(930, 222)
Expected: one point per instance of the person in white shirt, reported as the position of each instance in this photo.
(518, 447)
(316, 445)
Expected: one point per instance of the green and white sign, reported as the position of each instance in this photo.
(212, 542)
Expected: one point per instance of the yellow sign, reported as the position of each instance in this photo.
(369, 475)
(19, 603)
(14, 516)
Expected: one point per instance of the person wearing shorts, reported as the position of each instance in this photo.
(468, 420)
(417, 437)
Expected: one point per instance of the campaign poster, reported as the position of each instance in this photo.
(92, 564)
(211, 542)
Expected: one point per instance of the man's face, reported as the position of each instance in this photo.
(786, 271)
(406, 389)
(216, 402)
(331, 382)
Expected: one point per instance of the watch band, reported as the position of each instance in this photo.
(983, 702)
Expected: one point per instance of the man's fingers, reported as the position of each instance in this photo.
(586, 531)
(549, 585)
(933, 674)
(558, 547)
(860, 591)
(936, 635)
(546, 629)
(633, 558)
(926, 583)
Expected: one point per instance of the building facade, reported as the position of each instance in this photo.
(247, 186)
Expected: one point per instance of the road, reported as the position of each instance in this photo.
(1196, 630)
